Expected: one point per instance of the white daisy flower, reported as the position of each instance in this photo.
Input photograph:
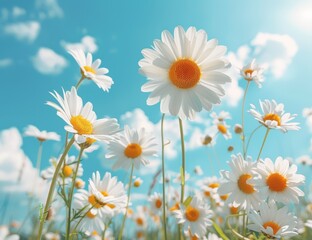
(304, 160)
(212, 236)
(220, 127)
(32, 131)
(52, 236)
(198, 170)
(177, 178)
(273, 222)
(156, 202)
(66, 172)
(274, 116)
(185, 72)
(307, 112)
(79, 183)
(5, 234)
(237, 183)
(106, 197)
(209, 186)
(89, 222)
(279, 181)
(137, 182)
(91, 70)
(222, 116)
(81, 119)
(252, 72)
(131, 147)
(195, 217)
(140, 217)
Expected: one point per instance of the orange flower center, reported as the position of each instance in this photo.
(140, 234)
(133, 150)
(79, 184)
(276, 182)
(273, 117)
(248, 74)
(137, 183)
(98, 203)
(88, 69)
(207, 193)
(175, 207)
(81, 125)
(90, 215)
(272, 225)
(234, 210)
(158, 203)
(191, 214)
(222, 129)
(224, 197)
(184, 73)
(214, 185)
(243, 185)
(140, 221)
(67, 171)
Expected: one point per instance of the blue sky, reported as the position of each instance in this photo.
(117, 31)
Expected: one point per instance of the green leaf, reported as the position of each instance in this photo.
(219, 231)
(187, 201)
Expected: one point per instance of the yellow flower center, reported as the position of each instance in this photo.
(81, 125)
(207, 193)
(67, 171)
(176, 206)
(184, 73)
(88, 69)
(133, 150)
(139, 234)
(248, 74)
(79, 184)
(140, 221)
(275, 227)
(224, 197)
(276, 182)
(234, 210)
(222, 129)
(158, 203)
(273, 117)
(214, 185)
(89, 141)
(137, 183)
(98, 203)
(191, 214)
(243, 185)
(90, 215)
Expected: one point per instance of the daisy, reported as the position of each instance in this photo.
(81, 119)
(52, 236)
(238, 129)
(274, 116)
(252, 72)
(184, 72)
(91, 70)
(140, 217)
(195, 217)
(220, 127)
(279, 180)
(137, 182)
(222, 116)
(198, 170)
(79, 183)
(67, 170)
(32, 131)
(156, 202)
(209, 186)
(273, 222)
(304, 160)
(131, 147)
(237, 183)
(105, 197)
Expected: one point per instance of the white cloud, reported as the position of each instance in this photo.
(5, 62)
(87, 44)
(273, 52)
(23, 30)
(16, 171)
(47, 61)
(49, 9)
(17, 12)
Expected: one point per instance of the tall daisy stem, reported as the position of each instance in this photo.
(243, 121)
(71, 192)
(125, 216)
(182, 172)
(249, 139)
(183, 161)
(52, 187)
(264, 140)
(163, 176)
(79, 82)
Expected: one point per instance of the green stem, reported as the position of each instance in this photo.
(38, 163)
(163, 176)
(52, 187)
(219, 231)
(243, 122)
(106, 227)
(231, 228)
(244, 223)
(250, 137)
(264, 140)
(79, 82)
(182, 172)
(125, 216)
(70, 195)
